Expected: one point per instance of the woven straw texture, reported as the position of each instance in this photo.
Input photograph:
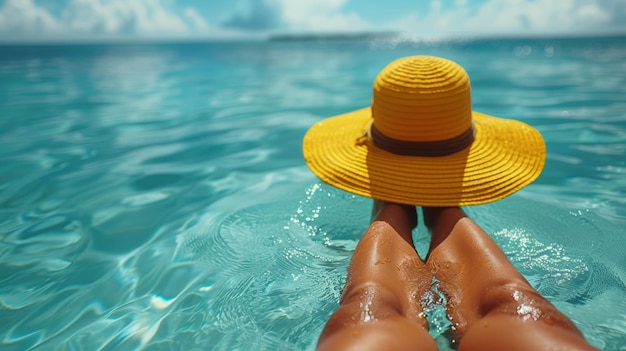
(424, 99)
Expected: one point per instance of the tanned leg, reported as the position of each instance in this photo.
(379, 308)
(493, 307)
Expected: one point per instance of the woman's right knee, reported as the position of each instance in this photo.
(520, 300)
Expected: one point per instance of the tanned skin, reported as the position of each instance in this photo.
(493, 307)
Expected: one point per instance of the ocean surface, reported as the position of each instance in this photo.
(154, 196)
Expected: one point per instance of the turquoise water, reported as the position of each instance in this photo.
(154, 197)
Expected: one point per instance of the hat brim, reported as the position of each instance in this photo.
(505, 156)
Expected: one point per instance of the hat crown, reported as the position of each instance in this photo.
(422, 98)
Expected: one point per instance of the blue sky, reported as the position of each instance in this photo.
(60, 20)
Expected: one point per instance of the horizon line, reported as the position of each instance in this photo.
(319, 36)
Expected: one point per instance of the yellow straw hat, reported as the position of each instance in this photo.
(421, 144)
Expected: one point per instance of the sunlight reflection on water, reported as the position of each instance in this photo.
(155, 197)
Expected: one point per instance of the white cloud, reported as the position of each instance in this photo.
(319, 15)
(196, 20)
(120, 17)
(503, 17)
(593, 14)
(526, 16)
(25, 17)
(93, 19)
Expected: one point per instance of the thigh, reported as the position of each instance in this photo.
(502, 331)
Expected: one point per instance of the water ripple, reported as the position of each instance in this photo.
(155, 196)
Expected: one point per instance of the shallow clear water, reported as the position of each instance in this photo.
(154, 196)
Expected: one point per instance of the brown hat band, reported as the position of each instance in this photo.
(422, 148)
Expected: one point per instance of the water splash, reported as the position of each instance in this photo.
(434, 303)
